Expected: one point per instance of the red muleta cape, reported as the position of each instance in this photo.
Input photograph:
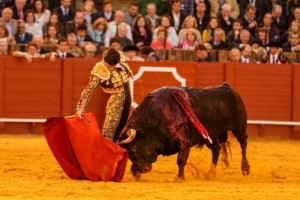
(81, 150)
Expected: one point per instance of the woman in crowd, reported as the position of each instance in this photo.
(53, 21)
(41, 14)
(208, 33)
(98, 30)
(52, 36)
(161, 42)
(294, 27)
(166, 22)
(5, 35)
(142, 36)
(88, 9)
(191, 40)
(30, 25)
(189, 23)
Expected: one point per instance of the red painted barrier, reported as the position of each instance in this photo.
(44, 89)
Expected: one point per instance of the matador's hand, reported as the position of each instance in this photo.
(79, 114)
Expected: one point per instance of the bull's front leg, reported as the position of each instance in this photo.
(215, 150)
(182, 157)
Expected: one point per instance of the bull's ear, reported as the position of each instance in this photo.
(131, 135)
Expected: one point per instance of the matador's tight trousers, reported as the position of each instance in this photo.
(114, 109)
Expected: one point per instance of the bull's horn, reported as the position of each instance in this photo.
(131, 135)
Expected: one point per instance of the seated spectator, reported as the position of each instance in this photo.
(132, 15)
(8, 21)
(246, 54)
(152, 19)
(262, 38)
(72, 26)
(258, 4)
(172, 34)
(293, 44)
(233, 37)
(54, 21)
(289, 9)
(161, 42)
(202, 55)
(62, 50)
(115, 43)
(201, 17)
(234, 55)
(226, 21)
(22, 37)
(30, 25)
(3, 47)
(31, 52)
(122, 35)
(131, 53)
(82, 37)
(190, 42)
(217, 43)
(142, 36)
(148, 54)
(74, 49)
(65, 11)
(188, 23)
(41, 14)
(107, 13)
(38, 40)
(19, 9)
(208, 33)
(216, 6)
(176, 14)
(52, 35)
(90, 50)
(294, 27)
(245, 38)
(161, 6)
(97, 31)
(112, 27)
(279, 19)
(248, 19)
(88, 9)
(5, 35)
(272, 31)
(274, 54)
(259, 45)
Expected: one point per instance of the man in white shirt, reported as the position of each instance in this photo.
(176, 14)
(113, 26)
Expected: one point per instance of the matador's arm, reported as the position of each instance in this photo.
(87, 93)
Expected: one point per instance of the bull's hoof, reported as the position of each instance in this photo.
(245, 169)
(179, 179)
(137, 176)
(212, 173)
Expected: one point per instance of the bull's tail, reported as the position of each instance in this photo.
(186, 107)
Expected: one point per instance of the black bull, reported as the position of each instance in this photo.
(162, 127)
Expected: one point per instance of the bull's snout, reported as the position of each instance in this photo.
(138, 170)
(147, 169)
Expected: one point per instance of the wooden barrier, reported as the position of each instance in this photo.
(44, 89)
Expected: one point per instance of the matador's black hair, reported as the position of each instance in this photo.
(112, 57)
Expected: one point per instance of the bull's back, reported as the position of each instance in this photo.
(218, 108)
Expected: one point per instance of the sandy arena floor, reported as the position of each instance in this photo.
(29, 171)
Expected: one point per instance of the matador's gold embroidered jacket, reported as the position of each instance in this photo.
(110, 80)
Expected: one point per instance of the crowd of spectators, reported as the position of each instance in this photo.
(264, 28)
